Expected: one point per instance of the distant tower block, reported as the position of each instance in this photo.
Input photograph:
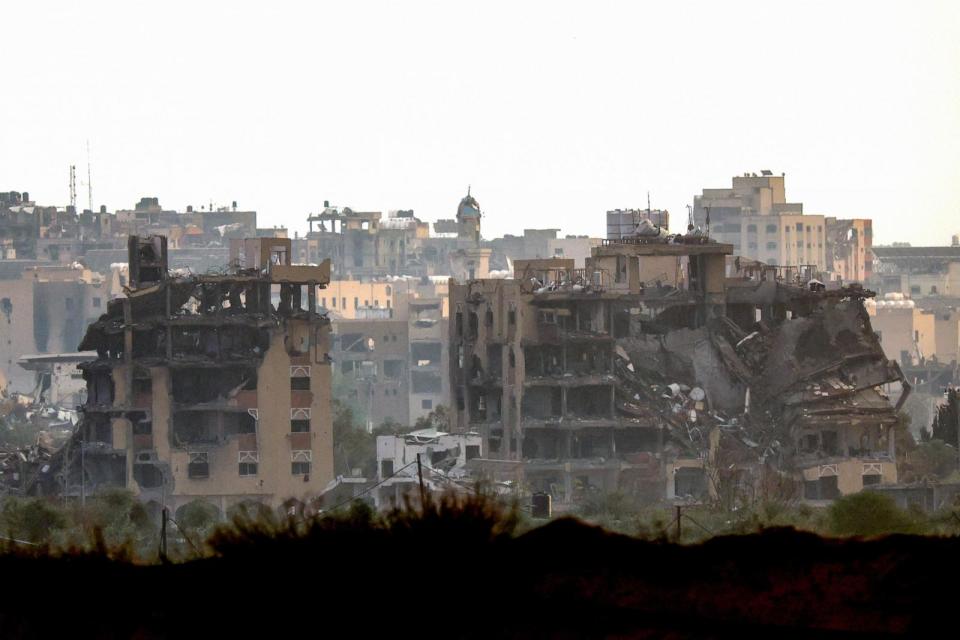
(468, 219)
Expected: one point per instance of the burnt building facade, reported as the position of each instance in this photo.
(213, 387)
(650, 372)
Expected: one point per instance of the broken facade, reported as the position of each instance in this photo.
(365, 245)
(443, 464)
(651, 372)
(849, 248)
(213, 387)
(44, 309)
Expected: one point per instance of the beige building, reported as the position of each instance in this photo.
(907, 333)
(355, 299)
(917, 272)
(367, 245)
(576, 248)
(212, 388)
(849, 249)
(755, 217)
(45, 311)
(574, 378)
(16, 333)
(389, 350)
(533, 370)
(946, 329)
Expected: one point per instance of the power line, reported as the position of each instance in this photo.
(195, 549)
(32, 544)
(369, 489)
(698, 524)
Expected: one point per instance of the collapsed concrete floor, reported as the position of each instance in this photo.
(799, 400)
(717, 389)
(212, 388)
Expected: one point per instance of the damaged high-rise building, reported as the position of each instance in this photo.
(654, 372)
(206, 387)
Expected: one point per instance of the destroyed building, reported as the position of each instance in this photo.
(205, 387)
(364, 245)
(44, 309)
(652, 372)
(443, 464)
(849, 248)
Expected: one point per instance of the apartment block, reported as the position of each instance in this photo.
(206, 387)
(651, 372)
(754, 216)
(390, 350)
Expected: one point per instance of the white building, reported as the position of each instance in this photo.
(443, 458)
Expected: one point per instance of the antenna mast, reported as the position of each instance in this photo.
(73, 186)
(89, 184)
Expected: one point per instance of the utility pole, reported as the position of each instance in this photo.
(951, 394)
(164, 515)
(423, 494)
(83, 484)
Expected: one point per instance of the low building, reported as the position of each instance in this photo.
(59, 381)
(908, 335)
(918, 272)
(444, 460)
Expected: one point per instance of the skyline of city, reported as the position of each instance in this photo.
(552, 113)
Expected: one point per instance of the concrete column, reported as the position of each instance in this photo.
(507, 440)
(297, 297)
(127, 351)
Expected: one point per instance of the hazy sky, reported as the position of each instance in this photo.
(554, 112)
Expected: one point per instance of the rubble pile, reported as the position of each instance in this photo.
(32, 434)
(760, 389)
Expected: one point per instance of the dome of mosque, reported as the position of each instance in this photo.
(469, 207)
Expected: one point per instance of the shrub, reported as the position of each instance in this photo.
(870, 514)
(34, 520)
